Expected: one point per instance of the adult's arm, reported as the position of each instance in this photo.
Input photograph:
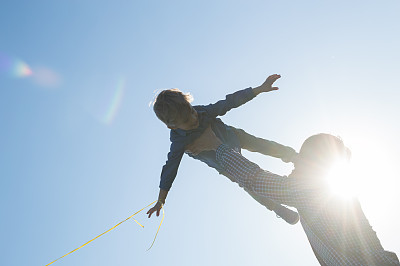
(266, 147)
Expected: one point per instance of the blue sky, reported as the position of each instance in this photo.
(82, 150)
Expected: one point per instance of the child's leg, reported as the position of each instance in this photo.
(286, 214)
(269, 204)
(266, 147)
(270, 148)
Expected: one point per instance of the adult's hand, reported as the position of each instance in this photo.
(206, 142)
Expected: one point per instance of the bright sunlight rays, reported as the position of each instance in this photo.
(370, 174)
(342, 180)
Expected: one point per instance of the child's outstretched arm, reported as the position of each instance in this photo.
(240, 97)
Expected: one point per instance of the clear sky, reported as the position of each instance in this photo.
(81, 150)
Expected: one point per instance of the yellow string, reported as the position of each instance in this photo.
(163, 214)
(138, 223)
(112, 229)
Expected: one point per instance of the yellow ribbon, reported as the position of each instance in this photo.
(138, 223)
(115, 227)
(163, 214)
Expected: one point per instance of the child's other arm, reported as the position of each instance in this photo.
(168, 175)
(240, 97)
(170, 169)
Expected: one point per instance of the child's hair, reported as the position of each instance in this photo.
(171, 105)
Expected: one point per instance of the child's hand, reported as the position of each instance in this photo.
(156, 207)
(267, 85)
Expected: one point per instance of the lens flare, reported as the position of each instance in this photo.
(5, 63)
(21, 70)
(115, 102)
(14, 67)
(46, 77)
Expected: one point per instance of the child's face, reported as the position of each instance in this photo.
(186, 123)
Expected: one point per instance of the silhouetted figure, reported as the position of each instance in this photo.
(188, 122)
(337, 229)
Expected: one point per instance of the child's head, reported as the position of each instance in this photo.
(174, 109)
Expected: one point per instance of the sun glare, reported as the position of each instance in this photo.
(341, 180)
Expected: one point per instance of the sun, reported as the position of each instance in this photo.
(370, 174)
(342, 181)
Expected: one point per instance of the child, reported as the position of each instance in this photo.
(188, 122)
